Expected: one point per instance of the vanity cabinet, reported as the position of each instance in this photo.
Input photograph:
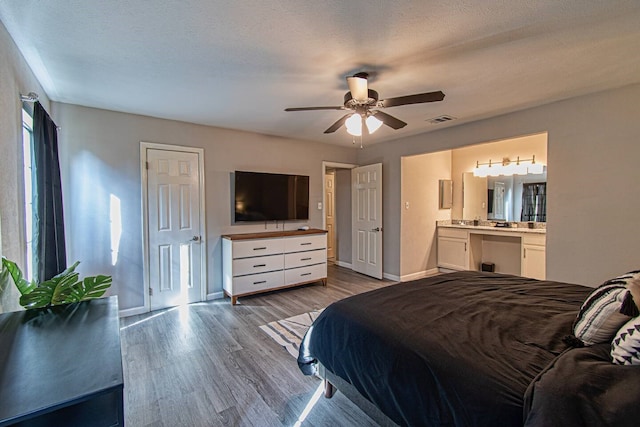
(534, 256)
(513, 251)
(260, 262)
(453, 246)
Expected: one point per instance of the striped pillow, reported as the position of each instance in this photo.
(607, 308)
(625, 347)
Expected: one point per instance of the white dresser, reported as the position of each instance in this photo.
(262, 262)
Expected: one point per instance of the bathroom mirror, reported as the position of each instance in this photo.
(446, 193)
(505, 198)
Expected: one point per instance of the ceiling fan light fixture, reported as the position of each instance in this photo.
(354, 124)
(373, 124)
(358, 87)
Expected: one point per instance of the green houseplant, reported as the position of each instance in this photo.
(64, 288)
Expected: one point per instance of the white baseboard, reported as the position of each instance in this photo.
(390, 276)
(215, 295)
(344, 264)
(132, 311)
(443, 270)
(142, 310)
(420, 275)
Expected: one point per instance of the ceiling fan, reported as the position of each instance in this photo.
(364, 103)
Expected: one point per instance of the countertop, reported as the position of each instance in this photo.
(489, 228)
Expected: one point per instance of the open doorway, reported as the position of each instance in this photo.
(336, 211)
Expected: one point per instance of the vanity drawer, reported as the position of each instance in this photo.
(260, 247)
(534, 239)
(452, 232)
(305, 243)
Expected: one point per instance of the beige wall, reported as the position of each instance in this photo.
(15, 78)
(420, 211)
(100, 157)
(593, 202)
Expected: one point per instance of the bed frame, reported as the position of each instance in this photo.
(332, 383)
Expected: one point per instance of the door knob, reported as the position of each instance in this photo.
(377, 229)
(195, 239)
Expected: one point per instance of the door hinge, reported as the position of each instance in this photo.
(146, 165)
(150, 292)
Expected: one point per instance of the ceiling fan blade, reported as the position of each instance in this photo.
(418, 98)
(334, 127)
(389, 120)
(358, 88)
(314, 108)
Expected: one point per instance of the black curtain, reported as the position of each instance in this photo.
(534, 202)
(49, 252)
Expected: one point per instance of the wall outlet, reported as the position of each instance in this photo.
(406, 205)
(319, 206)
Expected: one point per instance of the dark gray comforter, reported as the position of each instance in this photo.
(457, 349)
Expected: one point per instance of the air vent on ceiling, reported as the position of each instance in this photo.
(440, 119)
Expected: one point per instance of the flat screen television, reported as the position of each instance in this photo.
(263, 196)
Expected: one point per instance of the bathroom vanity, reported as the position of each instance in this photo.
(519, 251)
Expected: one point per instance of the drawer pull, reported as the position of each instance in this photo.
(260, 249)
(260, 282)
(305, 259)
(259, 265)
(305, 244)
(305, 274)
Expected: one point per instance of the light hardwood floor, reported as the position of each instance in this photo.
(209, 364)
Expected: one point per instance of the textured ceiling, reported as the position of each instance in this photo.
(238, 64)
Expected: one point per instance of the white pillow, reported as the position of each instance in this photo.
(625, 347)
(607, 308)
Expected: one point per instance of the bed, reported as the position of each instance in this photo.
(470, 349)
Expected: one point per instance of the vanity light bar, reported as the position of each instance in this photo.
(507, 167)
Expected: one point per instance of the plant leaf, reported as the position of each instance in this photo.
(54, 291)
(92, 287)
(38, 298)
(68, 270)
(24, 286)
(63, 286)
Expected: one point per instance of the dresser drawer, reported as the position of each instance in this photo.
(300, 259)
(305, 274)
(257, 282)
(305, 243)
(250, 248)
(260, 264)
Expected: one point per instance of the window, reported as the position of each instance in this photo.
(27, 145)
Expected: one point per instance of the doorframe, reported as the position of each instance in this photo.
(334, 165)
(144, 146)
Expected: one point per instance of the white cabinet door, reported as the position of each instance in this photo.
(453, 253)
(534, 261)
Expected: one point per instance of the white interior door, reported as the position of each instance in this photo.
(175, 256)
(366, 211)
(330, 208)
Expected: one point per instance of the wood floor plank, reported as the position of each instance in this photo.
(209, 364)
